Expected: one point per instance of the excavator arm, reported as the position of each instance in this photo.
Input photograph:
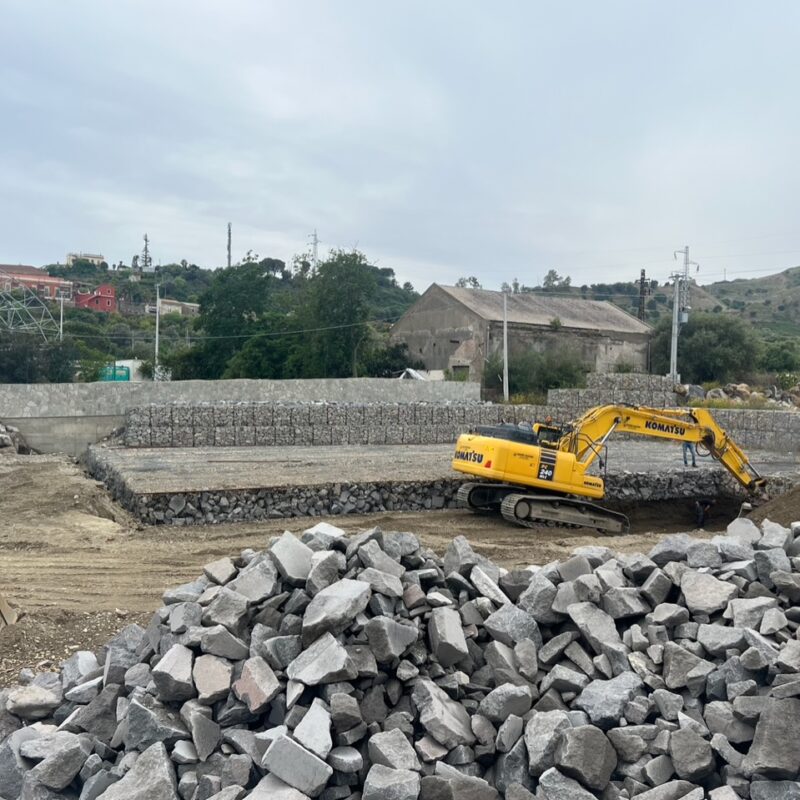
(587, 435)
(540, 475)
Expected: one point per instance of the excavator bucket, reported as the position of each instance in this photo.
(7, 614)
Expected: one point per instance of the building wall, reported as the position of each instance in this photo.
(601, 352)
(436, 326)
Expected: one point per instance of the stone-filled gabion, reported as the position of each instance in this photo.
(257, 503)
(367, 667)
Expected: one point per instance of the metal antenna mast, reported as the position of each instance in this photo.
(314, 249)
(680, 308)
(146, 260)
(643, 292)
(229, 245)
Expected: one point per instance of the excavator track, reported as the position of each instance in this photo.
(486, 497)
(530, 510)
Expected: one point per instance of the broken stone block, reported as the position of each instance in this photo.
(775, 751)
(447, 636)
(212, 678)
(510, 625)
(691, 755)
(584, 753)
(446, 720)
(296, 766)
(314, 730)
(389, 639)
(505, 700)
(705, 594)
(173, 675)
(334, 608)
(257, 686)
(152, 777)
(604, 700)
(542, 735)
(596, 626)
(383, 783)
(392, 749)
(325, 661)
(292, 558)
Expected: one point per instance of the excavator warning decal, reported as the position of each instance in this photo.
(547, 466)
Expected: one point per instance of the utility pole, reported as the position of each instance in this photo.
(61, 317)
(229, 245)
(643, 292)
(158, 319)
(680, 309)
(505, 346)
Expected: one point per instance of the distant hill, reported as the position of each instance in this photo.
(771, 303)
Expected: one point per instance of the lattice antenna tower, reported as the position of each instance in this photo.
(23, 311)
(147, 261)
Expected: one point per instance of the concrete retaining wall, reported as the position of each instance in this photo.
(67, 417)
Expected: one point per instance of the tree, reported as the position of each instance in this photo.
(24, 358)
(711, 347)
(387, 361)
(554, 281)
(232, 311)
(335, 308)
(782, 356)
(530, 372)
(468, 283)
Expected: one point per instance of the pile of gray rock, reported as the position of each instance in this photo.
(366, 667)
(11, 440)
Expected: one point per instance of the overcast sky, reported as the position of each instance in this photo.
(442, 138)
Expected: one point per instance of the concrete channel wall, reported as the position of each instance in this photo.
(67, 417)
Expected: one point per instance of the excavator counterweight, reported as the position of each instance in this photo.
(538, 475)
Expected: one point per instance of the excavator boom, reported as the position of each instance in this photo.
(539, 475)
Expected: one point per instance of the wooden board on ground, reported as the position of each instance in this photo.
(7, 614)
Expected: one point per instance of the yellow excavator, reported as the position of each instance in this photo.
(539, 475)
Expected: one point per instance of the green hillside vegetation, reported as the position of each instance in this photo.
(259, 319)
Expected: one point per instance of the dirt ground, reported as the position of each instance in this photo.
(79, 568)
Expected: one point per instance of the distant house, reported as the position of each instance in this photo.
(93, 258)
(458, 329)
(177, 307)
(35, 279)
(103, 298)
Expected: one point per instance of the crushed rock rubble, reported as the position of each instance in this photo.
(367, 667)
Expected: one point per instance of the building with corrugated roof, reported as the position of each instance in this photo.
(459, 329)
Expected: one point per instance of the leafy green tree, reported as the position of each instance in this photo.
(782, 356)
(711, 347)
(267, 354)
(335, 308)
(25, 358)
(387, 361)
(530, 372)
(231, 312)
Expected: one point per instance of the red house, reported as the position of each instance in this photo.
(35, 279)
(103, 298)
